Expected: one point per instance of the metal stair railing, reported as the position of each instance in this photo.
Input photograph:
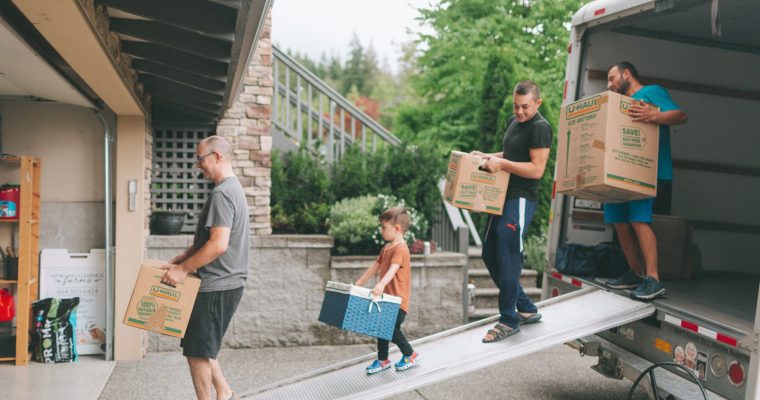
(307, 109)
(454, 227)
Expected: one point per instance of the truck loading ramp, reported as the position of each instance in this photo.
(460, 350)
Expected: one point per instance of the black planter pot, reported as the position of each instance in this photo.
(166, 222)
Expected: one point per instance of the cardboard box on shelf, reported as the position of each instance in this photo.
(469, 187)
(157, 307)
(602, 154)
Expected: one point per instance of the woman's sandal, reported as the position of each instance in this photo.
(499, 332)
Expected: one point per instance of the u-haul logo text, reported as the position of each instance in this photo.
(482, 178)
(625, 106)
(165, 293)
(582, 107)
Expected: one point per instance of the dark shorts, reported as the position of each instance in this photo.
(209, 320)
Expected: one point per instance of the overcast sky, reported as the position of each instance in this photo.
(314, 27)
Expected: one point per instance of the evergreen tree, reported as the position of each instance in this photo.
(353, 72)
(495, 102)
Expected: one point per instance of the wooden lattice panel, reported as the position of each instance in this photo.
(177, 183)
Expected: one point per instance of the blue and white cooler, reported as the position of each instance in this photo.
(354, 309)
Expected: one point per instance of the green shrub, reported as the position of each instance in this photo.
(417, 229)
(301, 194)
(535, 252)
(410, 173)
(352, 224)
(302, 190)
(354, 174)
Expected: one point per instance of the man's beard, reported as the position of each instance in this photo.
(624, 86)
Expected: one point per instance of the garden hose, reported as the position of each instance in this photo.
(654, 382)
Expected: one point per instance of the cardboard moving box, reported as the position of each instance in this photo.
(158, 307)
(469, 187)
(602, 154)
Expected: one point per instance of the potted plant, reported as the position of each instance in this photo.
(166, 222)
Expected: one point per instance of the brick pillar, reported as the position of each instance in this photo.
(247, 125)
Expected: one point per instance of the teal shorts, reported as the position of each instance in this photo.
(631, 211)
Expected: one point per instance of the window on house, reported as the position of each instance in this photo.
(176, 182)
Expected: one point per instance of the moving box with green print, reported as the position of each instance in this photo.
(471, 188)
(602, 154)
(158, 307)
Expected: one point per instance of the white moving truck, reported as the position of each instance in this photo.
(707, 54)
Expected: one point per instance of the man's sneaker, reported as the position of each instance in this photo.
(627, 281)
(407, 362)
(649, 289)
(378, 366)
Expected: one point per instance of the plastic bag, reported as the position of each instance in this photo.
(53, 338)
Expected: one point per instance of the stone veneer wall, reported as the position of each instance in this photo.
(284, 292)
(247, 125)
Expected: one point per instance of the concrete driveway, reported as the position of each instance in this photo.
(557, 373)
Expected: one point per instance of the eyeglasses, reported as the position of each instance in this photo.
(200, 158)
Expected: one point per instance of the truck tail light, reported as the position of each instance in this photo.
(718, 365)
(736, 373)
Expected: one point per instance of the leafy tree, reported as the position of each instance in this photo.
(466, 63)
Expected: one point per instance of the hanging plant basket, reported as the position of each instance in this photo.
(167, 222)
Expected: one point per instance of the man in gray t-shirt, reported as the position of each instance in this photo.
(220, 256)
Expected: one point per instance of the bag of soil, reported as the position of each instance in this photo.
(53, 338)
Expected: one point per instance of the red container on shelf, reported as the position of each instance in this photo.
(9, 201)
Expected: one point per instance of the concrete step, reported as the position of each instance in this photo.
(482, 279)
(474, 260)
(489, 298)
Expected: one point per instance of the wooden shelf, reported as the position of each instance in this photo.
(27, 248)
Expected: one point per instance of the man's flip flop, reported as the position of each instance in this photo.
(530, 319)
(499, 332)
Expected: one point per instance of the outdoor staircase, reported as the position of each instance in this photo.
(486, 294)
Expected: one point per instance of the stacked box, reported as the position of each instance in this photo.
(353, 308)
(602, 154)
(157, 307)
(469, 187)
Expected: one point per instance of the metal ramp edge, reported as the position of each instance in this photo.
(460, 350)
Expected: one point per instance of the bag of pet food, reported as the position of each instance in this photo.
(53, 338)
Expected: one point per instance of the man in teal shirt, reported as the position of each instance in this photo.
(633, 219)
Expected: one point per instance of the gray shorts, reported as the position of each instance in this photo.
(209, 320)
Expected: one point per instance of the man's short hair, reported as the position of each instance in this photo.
(397, 216)
(218, 144)
(625, 65)
(524, 87)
